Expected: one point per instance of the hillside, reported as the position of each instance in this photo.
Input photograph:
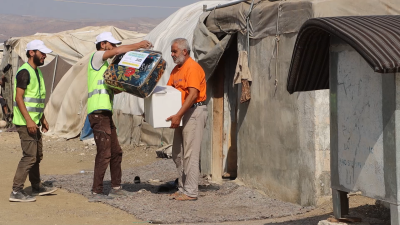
(16, 26)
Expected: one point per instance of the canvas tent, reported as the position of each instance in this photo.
(1, 73)
(128, 109)
(1, 51)
(276, 142)
(180, 24)
(66, 66)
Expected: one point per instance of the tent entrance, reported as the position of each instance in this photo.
(224, 114)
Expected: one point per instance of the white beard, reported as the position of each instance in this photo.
(179, 60)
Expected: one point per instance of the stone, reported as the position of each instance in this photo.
(3, 123)
(326, 222)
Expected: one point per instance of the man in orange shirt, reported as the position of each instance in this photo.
(189, 78)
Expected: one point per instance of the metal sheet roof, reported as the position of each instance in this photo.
(375, 38)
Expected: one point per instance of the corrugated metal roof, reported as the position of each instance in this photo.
(375, 38)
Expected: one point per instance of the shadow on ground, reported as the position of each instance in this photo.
(227, 202)
(373, 214)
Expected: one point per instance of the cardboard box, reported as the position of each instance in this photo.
(163, 103)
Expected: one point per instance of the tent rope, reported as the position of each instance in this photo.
(276, 48)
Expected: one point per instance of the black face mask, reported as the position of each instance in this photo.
(36, 60)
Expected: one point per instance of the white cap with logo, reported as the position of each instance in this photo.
(38, 45)
(107, 36)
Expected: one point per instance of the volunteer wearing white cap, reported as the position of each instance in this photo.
(99, 107)
(29, 98)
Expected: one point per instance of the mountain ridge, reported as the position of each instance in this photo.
(25, 25)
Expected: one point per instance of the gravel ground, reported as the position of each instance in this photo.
(70, 157)
(216, 203)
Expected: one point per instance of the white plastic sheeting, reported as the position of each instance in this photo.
(180, 24)
(66, 109)
(71, 45)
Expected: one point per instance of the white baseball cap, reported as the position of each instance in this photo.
(38, 45)
(107, 36)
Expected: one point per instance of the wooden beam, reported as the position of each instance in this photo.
(218, 122)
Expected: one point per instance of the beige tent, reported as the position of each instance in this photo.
(66, 109)
(276, 142)
(128, 108)
(64, 72)
(70, 45)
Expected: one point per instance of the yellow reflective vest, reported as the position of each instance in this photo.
(100, 96)
(34, 97)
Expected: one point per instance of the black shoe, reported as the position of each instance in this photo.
(99, 197)
(43, 190)
(21, 196)
(136, 180)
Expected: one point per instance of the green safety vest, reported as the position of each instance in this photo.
(100, 96)
(34, 97)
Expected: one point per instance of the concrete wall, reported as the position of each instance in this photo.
(365, 111)
(282, 139)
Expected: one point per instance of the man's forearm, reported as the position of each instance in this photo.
(42, 119)
(127, 48)
(190, 100)
(120, 50)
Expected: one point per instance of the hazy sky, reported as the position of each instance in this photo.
(93, 9)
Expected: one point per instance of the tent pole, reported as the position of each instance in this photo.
(205, 9)
(54, 75)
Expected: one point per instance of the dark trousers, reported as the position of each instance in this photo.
(108, 150)
(32, 155)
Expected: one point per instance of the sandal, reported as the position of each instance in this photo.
(175, 195)
(184, 197)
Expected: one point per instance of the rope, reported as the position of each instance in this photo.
(248, 33)
(217, 24)
(277, 40)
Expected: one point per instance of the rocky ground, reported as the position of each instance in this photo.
(69, 164)
(217, 203)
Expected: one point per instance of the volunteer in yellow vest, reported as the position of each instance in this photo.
(29, 98)
(99, 106)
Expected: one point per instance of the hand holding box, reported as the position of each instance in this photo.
(164, 102)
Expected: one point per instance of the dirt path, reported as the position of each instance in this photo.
(60, 157)
(71, 157)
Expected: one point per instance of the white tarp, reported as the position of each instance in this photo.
(66, 109)
(180, 24)
(1, 52)
(71, 45)
(270, 19)
(301, 121)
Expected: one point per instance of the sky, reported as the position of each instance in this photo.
(93, 9)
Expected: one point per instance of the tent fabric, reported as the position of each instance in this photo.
(71, 45)
(66, 71)
(1, 52)
(207, 47)
(87, 131)
(272, 19)
(375, 38)
(180, 24)
(66, 109)
(281, 17)
(302, 117)
(264, 17)
(242, 68)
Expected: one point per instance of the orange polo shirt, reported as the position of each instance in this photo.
(190, 74)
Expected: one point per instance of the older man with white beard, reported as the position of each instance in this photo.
(189, 78)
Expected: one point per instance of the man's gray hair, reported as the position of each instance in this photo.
(182, 44)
